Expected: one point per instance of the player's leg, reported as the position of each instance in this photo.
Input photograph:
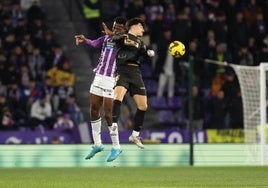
(141, 101)
(137, 90)
(119, 93)
(95, 105)
(96, 102)
(108, 105)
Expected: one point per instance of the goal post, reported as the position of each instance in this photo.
(253, 84)
(263, 114)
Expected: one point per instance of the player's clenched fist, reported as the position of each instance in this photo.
(79, 39)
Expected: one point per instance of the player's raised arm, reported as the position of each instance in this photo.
(106, 30)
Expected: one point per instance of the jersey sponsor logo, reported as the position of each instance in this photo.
(130, 42)
(109, 45)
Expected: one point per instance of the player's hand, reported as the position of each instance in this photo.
(79, 39)
(119, 28)
(106, 30)
(150, 53)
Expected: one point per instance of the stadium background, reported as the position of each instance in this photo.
(69, 21)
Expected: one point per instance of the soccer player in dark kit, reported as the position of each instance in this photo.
(129, 79)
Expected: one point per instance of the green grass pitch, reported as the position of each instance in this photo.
(138, 177)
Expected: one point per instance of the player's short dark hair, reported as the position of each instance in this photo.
(120, 20)
(134, 21)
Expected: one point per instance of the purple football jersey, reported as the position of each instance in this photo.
(106, 62)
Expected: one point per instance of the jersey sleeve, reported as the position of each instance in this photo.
(97, 43)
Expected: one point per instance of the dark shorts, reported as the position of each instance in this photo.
(130, 77)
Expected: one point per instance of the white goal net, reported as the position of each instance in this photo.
(254, 90)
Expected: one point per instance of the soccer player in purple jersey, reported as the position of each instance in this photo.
(101, 90)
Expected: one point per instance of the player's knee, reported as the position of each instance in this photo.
(143, 107)
(108, 117)
(94, 114)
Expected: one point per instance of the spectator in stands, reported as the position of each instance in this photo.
(9, 42)
(155, 33)
(217, 83)
(264, 50)
(41, 114)
(49, 91)
(197, 110)
(135, 9)
(218, 23)
(1, 12)
(24, 76)
(3, 88)
(46, 48)
(6, 26)
(35, 12)
(221, 54)
(153, 8)
(209, 44)
(56, 57)
(15, 13)
(244, 57)
(63, 122)
(199, 26)
(13, 93)
(196, 6)
(18, 58)
(169, 13)
(250, 10)
(238, 33)
(37, 65)
(91, 10)
(236, 112)
(165, 66)
(254, 50)
(259, 28)
(37, 31)
(7, 121)
(10, 75)
(63, 91)
(198, 66)
(72, 108)
(20, 29)
(181, 28)
(231, 7)
(218, 110)
(6, 114)
(27, 43)
(60, 72)
(29, 94)
(264, 7)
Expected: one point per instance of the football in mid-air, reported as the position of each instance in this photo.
(176, 49)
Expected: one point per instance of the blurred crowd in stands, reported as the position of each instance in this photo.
(223, 30)
(36, 82)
